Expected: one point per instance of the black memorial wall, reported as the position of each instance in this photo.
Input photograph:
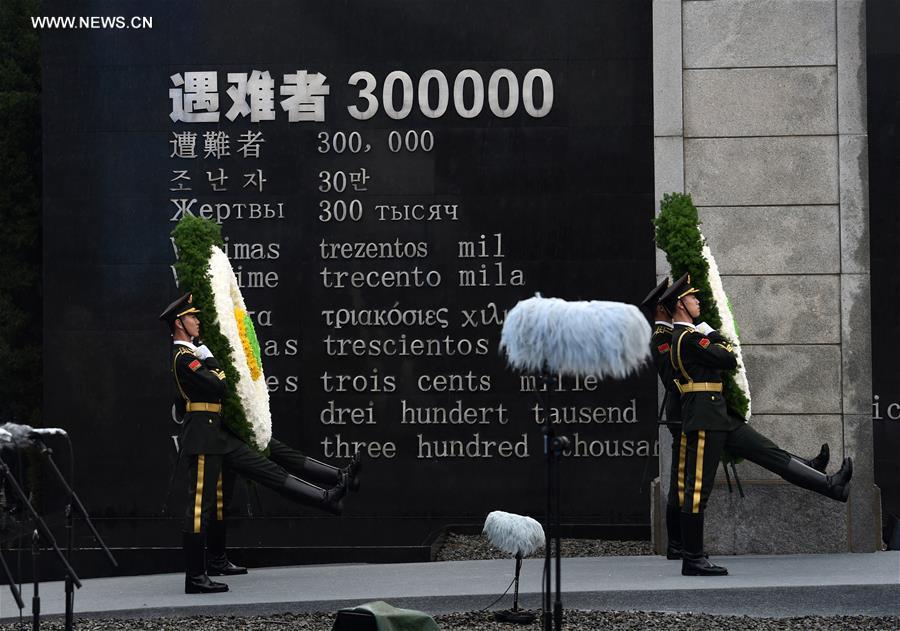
(883, 69)
(390, 177)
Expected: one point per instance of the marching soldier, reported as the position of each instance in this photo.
(660, 347)
(210, 449)
(660, 344)
(709, 427)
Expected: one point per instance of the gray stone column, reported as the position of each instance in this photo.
(759, 113)
(668, 144)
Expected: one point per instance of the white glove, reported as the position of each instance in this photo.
(704, 328)
(203, 353)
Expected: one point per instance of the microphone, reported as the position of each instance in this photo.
(37, 432)
(599, 338)
(19, 434)
(25, 435)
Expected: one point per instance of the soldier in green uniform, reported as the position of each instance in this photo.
(660, 343)
(211, 449)
(660, 347)
(698, 362)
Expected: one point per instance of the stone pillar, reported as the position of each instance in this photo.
(759, 114)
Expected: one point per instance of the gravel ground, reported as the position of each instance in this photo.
(485, 622)
(468, 547)
(465, 547)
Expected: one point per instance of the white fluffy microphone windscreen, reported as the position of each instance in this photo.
(17, 435)
(604, 339)
(21, 434)
(514, 534)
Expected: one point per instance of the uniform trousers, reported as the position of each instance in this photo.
(209, 477)
(289, 458)
(699, 453)
(672, 496)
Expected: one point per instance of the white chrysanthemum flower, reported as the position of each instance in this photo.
(253, 393)
(729, 328)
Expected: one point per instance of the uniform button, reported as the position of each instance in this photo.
(714, 398)
(210, 421)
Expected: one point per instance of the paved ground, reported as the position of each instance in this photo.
(770, 586)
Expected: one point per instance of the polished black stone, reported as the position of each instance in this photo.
(572, 194)
(883, 69)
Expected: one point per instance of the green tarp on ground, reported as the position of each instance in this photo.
(389, 618)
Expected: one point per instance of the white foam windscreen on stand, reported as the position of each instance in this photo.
(594, 337)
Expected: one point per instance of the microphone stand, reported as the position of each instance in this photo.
(16, 594)
(553, 447)
(559, 444)
(41, 530)
(532, 333)
(548, 437)
(7, 574)
(36, 594)
(75, 501)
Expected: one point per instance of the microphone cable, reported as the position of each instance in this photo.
(499, 597)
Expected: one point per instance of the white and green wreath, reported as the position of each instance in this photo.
(678, 235)
(729, 326)
(237, 327)
(226, 328)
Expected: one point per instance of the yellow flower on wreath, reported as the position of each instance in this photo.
(249, 342)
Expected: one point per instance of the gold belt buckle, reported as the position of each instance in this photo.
(202, 406)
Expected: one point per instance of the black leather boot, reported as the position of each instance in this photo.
(327, 474)
(836, 487)
(305, 493)
(693, 559)
(821, 461)
(352, 471)
(217, 563)
(195, 579)
(673, 532)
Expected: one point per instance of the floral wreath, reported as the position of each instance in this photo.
(678, 235)
(227, 329)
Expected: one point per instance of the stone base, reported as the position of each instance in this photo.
(774, 517)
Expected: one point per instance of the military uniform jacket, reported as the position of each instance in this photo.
(199, 381)
(660, 347)
(700, 358)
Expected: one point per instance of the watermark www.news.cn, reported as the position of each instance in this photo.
(91, 22)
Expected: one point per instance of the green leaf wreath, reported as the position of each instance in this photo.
(678, 235)
(198, 242)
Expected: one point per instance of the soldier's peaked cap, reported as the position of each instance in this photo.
(653, 297)
(678, 290)
(182, 306)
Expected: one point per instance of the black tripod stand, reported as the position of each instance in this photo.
(42, 531)
(16, 594)
(74, 502)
